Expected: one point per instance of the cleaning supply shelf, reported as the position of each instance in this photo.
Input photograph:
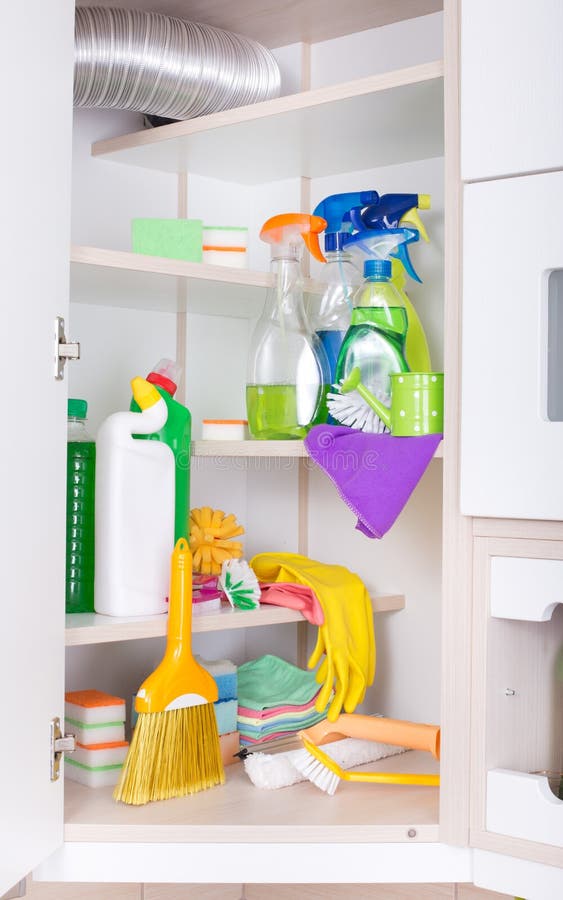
(103, 277)
(91, 628)
(315, 133)
(239, 812)
(262, 448)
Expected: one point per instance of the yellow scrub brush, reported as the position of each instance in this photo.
(315, 765)
(175, 747)
(211, 539)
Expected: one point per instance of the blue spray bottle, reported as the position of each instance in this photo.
(341, 276)
(389, 212)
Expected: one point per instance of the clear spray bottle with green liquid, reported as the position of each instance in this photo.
(375, 341)
(287, 365)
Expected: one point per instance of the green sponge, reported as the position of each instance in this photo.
(171, 238)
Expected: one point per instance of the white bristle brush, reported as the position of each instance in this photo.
(271, 771)
(353, 405)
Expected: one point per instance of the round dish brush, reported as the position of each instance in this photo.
(211, 539)
(355, 406)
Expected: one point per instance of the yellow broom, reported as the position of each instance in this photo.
(175, 747)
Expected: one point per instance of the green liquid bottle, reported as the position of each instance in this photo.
(287, 365)
(176, 433)
(80, 507)
(375, 341)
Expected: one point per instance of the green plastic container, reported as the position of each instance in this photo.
(80, 511)
(417, 403)
(176, 433)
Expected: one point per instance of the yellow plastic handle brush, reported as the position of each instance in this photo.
(326, 774)
(323, 772)
(397, 732)
(178, 681)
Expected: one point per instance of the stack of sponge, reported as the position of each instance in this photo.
(98, 722)
(225, 674)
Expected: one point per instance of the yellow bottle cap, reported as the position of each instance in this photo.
(424, 201)
(145, 394)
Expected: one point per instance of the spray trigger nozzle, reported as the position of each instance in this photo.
(411, 217)
(385, 243)
(285, 232)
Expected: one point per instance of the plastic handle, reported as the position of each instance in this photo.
(353, 383)
(397, 732)
(180, 600)
(178, 681)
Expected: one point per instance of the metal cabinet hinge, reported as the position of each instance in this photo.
(63, 349)
(59, 744)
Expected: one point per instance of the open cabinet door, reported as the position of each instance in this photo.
(36, 68)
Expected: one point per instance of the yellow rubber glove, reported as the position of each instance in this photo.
(346, 639)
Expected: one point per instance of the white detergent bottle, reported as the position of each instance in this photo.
(134, 510)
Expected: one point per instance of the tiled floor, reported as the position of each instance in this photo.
(48, 891)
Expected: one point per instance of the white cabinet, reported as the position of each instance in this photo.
(512, 426)
(358, 836)
(511, 88)
(218, 305)
(35, 160)
(517, 692)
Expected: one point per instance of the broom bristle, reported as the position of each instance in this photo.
(172, 754)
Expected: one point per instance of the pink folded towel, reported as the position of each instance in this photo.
(294, 596)
(276, 710)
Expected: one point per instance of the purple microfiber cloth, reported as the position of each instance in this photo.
(375, 474)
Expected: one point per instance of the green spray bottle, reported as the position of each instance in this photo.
(389, 212)
(176, 433)
(375, 341)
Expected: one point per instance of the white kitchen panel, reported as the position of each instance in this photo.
(511, 452)
(511, 87)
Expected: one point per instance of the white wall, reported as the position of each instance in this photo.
(377, 50)
(107, 195)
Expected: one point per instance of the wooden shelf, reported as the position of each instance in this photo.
(91, 628)
(118, 278)
(262, 448)
(278, 26)
(240, 812)
(380, 120)
(249, 448)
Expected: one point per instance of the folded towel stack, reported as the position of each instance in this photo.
(98, 722)
(276, 699)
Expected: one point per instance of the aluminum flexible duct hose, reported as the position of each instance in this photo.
(165, 66)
